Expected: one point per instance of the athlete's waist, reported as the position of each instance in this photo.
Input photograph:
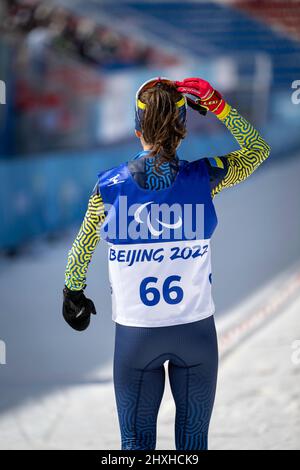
(193, 318)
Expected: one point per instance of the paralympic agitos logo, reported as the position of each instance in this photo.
(151, 220)
(156, 233)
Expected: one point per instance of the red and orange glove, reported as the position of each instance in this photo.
(206, 95)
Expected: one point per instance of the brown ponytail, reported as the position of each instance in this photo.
(161, 125)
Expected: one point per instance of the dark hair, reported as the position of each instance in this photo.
(161, 125)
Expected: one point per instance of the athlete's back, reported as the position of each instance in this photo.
(159, 255)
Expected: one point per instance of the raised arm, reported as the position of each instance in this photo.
(236, 166)
(233, 168)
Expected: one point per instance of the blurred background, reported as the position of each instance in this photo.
(71, 69)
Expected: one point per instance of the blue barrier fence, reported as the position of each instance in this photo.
(45, 194)
(48, 193)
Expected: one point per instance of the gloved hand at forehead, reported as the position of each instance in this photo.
(208, 97)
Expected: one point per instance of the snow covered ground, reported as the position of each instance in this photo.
(258, 401)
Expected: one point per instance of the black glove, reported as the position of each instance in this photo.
(77, 309)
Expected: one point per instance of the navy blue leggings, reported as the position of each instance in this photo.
(139, 379)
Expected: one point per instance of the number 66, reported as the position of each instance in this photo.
(154, 293)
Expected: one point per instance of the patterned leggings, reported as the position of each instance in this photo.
(139, 379)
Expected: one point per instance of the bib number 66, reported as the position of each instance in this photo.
(150, 296)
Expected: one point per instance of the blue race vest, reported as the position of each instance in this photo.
(159, 246)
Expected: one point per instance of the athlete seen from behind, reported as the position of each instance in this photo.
(156, 212)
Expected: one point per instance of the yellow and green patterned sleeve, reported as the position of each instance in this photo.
(85, 243)
(235, 167)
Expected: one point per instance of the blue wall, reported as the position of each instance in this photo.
(47, 193)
